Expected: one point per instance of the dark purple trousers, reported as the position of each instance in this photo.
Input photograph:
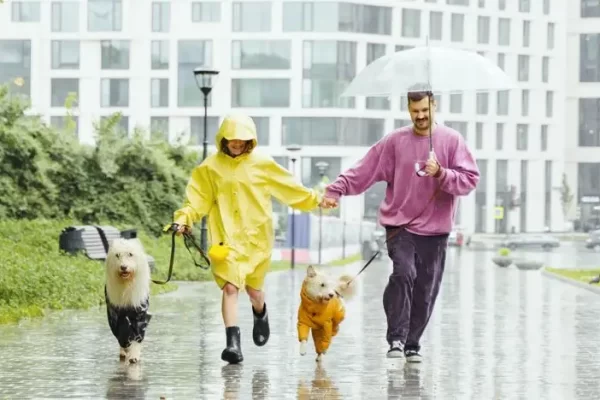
(414, 284)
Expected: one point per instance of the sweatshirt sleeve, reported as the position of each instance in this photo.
(462, 175)
(285, 188)
(357, 179)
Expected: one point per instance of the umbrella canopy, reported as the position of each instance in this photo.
(443, 70)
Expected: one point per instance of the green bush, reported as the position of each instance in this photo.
(46, 173)
(35, 276)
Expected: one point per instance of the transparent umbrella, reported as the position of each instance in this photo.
(428, 69)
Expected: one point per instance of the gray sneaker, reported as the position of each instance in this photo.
(396, 350)
(412, 356)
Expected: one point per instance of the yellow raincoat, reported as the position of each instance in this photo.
(236, 194)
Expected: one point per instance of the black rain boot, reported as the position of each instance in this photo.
(233, 352)
(261, 330)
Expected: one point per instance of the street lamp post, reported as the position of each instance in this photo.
(322, 167)
(205, 79)
(293, 148)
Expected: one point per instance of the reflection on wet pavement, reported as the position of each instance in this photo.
(496, 334)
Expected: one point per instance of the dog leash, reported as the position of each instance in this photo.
(396, 232)
(188, 239)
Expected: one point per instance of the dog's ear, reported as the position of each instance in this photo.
(310, 271)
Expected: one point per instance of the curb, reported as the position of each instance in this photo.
(581, 285)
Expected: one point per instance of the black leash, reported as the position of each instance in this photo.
(189, 241)
(395, 233)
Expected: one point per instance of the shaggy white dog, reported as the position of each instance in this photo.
(127, 293)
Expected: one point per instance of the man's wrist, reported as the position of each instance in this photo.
(440, 172)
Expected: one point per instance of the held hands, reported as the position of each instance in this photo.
(181, 229)
(328, 202)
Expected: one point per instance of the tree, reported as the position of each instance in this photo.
(566, 196)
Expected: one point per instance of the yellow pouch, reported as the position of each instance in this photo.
(218, 253)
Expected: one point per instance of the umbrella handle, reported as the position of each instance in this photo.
(432, 154)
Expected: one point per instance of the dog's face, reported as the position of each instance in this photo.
(123, 259)
(319, 286)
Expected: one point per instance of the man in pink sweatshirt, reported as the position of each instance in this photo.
(418, 214)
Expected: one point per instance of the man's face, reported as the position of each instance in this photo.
(419, 112)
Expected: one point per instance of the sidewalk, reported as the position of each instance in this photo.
(495, 334)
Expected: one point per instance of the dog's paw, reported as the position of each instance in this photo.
(122, 354)
(319, 358)
(134, 353)
(303, 348)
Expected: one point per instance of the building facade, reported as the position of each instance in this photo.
(582, 136)
(286, 63)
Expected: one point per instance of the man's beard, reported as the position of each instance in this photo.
(422, 123)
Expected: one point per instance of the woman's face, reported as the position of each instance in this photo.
(236, 147)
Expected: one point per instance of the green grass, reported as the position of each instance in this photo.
(579, 275)
(36, 278)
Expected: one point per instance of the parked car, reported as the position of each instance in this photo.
(546, 242)
(593, 241)
(456, 239)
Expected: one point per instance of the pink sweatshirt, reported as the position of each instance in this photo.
(392, 160)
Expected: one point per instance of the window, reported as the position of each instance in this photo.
(59, 122)
(159, 92)
(256, 92)
(252, 16)
(548, 193)
(206, 11)
(501, 5)
(15, 65)
(523, 68)
(522, 137)
(161, 16)
(197, 130)
(115, 54)
(482, 103)
(411, 23)
(525, 102)
(499, 136)
(588, 182)
(479, 135)
(459, 126)
(589, 122)
(159, 128)
(524, 6)
(457, 25)
(589, 57)
(456, 103)
(545, 68)
(544, 138)
(65, 16)
(329, 16)
(550, 36)
(328, 67)
(502, 102)
(590, 9)
(546, 7)
(549, 104)
(458, 2)
(483, 30)
(526, 33)
(331, 131)
(60, 90)
(400, 123)
(262, 130)
(114, 92)
(105, 15)
(65, 54)
(26, 11)
(503, 32)
(374, 51)
(481, 197)
(501, 60)
(523, 195)
(311, 175)
(159, 58)
(501, 176)
(261, 54)
(436, 25)
(191, 54)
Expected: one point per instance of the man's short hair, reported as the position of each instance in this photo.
(418, 92)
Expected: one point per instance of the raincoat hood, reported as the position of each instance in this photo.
(237, 126)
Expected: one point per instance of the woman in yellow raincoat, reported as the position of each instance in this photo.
(234, 188)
